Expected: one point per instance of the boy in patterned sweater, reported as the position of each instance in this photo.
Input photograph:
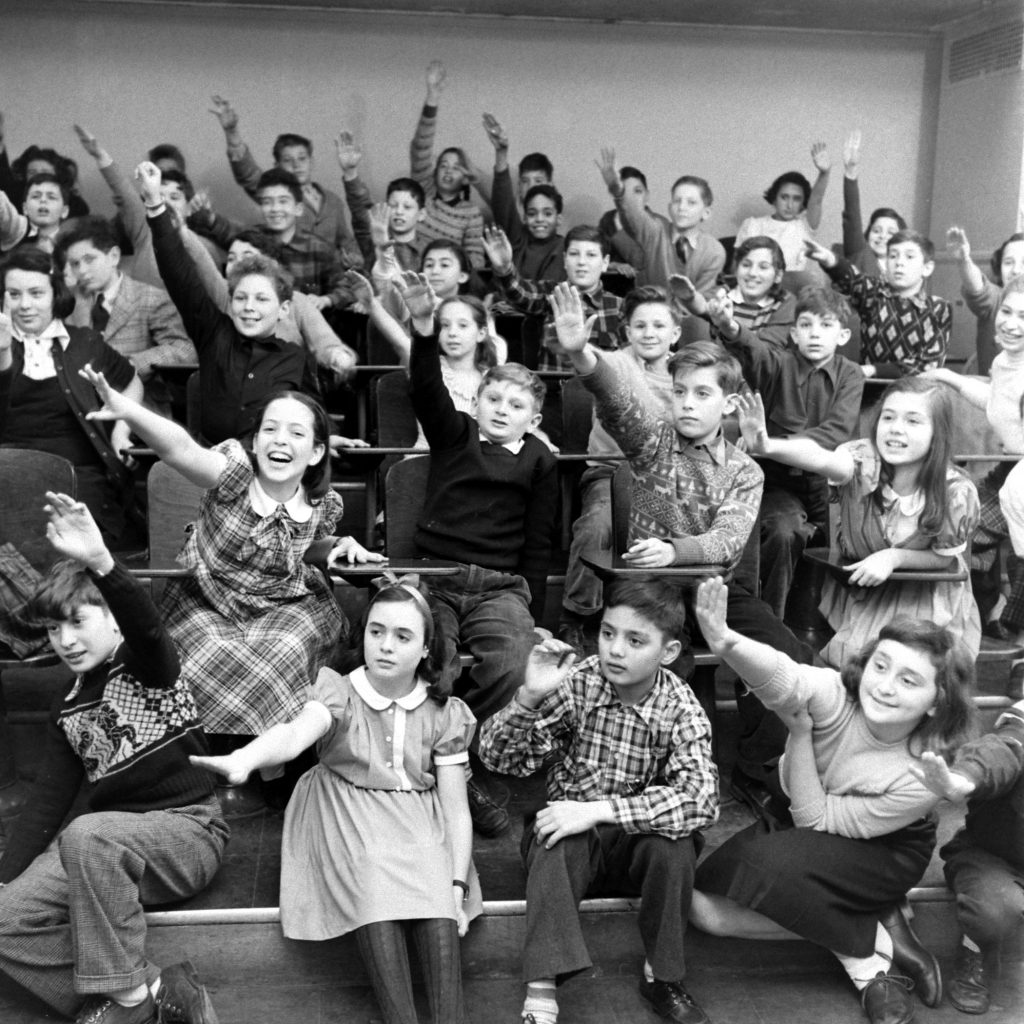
(72, 929)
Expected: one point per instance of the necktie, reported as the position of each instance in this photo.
(681, 251)
(100, 315)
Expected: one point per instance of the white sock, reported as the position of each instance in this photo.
(863, 969)
(130, 996)
(970, 944)
(541, 1002)
(648, 971)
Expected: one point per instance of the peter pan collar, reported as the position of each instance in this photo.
(378, 701)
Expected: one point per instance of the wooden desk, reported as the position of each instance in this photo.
(611, 566)
(363, 575)
(826, 558)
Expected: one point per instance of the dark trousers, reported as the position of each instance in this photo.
(602, 861)
(989, 893)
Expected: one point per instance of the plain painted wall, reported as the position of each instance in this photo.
(737, 107)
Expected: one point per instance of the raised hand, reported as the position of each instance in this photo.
(936, 775)
(379, 216)
(710, 606)
(752, 421)
(360, 287)
(224, 112)
(148, 175)
(958, 245)
(89, 142)
(199, 206)
(819, 253)
(437, 76)
(418, 296)
(550, 662)
(349, 154)
(73, 532)
(720, 309)
(819, 154)
(495, 132)
(610, 173)
(498, 249)
(851, 154)
(572, 328)
(5, 333)
(115, 405)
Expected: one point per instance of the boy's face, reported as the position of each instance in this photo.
(687, 208)
(94, 270)
(86, 639)
(652, 331)
(584, 264)
(44, 205)
(1012, 262)
(240, 250)
(444, 272)
(280, 208)
(255, 308)
(699, 403)
(631, 649)
(789, 201)
(404, 213)
(174, 196)
(505, 411)
(530, 178)
(817, 336)
(1010, 323)
(298, 161)
(907, 267)
(541, 217)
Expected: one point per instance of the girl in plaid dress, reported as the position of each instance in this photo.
(253, 621)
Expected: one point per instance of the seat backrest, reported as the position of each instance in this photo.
(25, 477)
(577, 415)
(405, 490)
(173, 504)
(392, 411)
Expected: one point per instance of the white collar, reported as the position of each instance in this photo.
(110, 292)
(378, 701)
(39, 363)
(737, 297)
(909, 504)
(264, 505)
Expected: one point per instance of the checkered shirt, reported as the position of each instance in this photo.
(652, 759)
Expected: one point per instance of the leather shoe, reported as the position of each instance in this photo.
(887, 999)
(968, 989)
(912, 958)
(489, 818)
(759, 799)
(669, 999)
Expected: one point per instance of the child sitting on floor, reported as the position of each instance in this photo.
(71, 908)
(631, 783)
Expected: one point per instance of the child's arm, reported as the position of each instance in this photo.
(318, 336)
(244, 168)
(451, 789)
(13, 225)
(685, 292)
(421, 149)
(393, 332)
(537, 722)
(639, 224)
(213, 280)
(801, 452)
(357, 194)
(958, 246)
(529, 297)
(975, 390)
(819, 154)
(503, 201)
(853, 221)
(172, 443)
(280, 744)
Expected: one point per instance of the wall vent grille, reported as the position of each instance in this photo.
(986, 53)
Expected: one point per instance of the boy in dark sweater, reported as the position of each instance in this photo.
(984, 861)
(72, 929)
(490, 506)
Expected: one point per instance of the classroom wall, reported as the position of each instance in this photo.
(737, 107)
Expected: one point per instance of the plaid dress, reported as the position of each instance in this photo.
(253, 622)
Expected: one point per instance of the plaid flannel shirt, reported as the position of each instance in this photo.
(652, 760)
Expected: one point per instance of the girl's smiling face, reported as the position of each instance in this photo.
(905, 429)
(879, 233)
(450, 175)
(897, 689)
(285, 446)
(28, 299)
(460, 333)
(756, 274)
(1009, 322)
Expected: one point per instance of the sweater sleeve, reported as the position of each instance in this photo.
(518, 740)
(443, 426)
(994, 762)
(503, 205)
(632, 426)
(853, 221)
(244, 169)
(421, 150)
(357, 195)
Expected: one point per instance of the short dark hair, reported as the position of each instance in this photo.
(63, 590)
(644, 296)
(32, 259)
(260, 239)
(925, 244)
(789, 178)
(410, 185)
(748, 245)
(658, 602)
(952, 721)
(167, 151)
(65, 168)
(443, 244)
(586, 233)
(701, 355)
(286, 139)
(537, 162)
(263, 266)
(97, 230)
(884, 211)
(548, 191)
(275, 176)
(463, 161)
(997, 257)
(46, 178)
(182, 179)
(699, 183)
(823, 300)
(317, 478)
(633, 172)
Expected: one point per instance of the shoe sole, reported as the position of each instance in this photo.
(705, 1019)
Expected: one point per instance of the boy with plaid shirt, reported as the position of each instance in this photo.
(631, 784)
